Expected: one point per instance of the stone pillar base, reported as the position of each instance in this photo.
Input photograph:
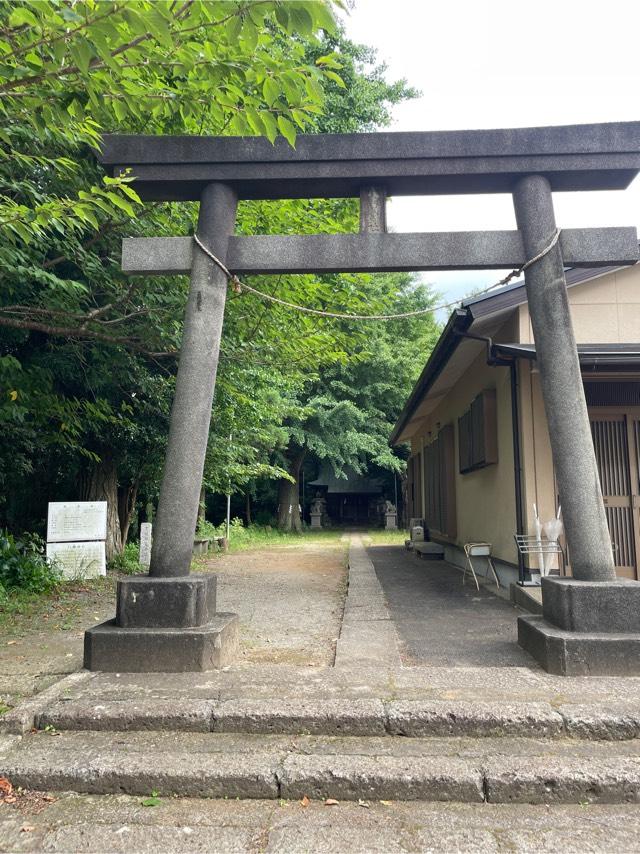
(163, 625)
(146, 601)
(587, 628)
(114, 649)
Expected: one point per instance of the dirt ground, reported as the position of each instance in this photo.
(290, 601)
(45, 642)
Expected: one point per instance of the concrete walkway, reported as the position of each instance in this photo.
(121, 824)
(439, 621)
(368, 635)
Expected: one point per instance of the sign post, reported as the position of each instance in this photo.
(76, 535)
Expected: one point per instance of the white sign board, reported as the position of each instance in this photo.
(71, 521)
(78, 560)
(145, 544)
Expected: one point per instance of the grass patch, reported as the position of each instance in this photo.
(382, 537)
(128, 561)
(264, 536)
(22, 611)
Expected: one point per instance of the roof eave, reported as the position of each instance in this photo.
(459, 321)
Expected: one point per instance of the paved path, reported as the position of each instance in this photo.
(368, 635)
(440, 622)
(121, 824)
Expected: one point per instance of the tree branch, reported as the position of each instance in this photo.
(94, 64)
(63, 36)
(81, 332)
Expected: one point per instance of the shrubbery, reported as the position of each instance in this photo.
(23, 565)
(128, 561)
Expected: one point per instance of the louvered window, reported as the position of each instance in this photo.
(440, 484)
(478, 433)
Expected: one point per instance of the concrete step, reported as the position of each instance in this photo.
(415, 718)
(496, 770)
(432, 551)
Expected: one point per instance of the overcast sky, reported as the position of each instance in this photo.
(506, 64)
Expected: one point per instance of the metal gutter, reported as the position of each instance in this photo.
(591, 356)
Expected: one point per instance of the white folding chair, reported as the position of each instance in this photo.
(472, 550)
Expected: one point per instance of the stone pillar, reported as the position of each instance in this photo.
(177, 514)
(167, 621)
(373, 209)
(574, 459)
(145, 544)
(590, 624)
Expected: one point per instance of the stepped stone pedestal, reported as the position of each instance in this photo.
(587, 628)
(163, 624)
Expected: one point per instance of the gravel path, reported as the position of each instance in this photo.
(290, 601)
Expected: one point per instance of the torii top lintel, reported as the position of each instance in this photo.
(571, 157)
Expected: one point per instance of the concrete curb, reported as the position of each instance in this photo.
(536, 780)
(367, 635)
(285, 772)
(417, 718)
(351, 778)
(24, 716)
(316, 717)
(188, 775)
(334, 717)
(126, 716)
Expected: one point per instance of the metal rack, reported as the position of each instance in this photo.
(531, 544)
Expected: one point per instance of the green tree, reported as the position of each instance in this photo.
(345, 414)
(87, 358)
(68, 72)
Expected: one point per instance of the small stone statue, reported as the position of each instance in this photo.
(318, 513)
(318, 505)
(390, 515)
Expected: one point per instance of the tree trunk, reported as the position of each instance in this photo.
(127, 497)
(247, 496)
(100, 483)
(289, 496)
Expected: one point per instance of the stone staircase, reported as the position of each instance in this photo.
(350, 749)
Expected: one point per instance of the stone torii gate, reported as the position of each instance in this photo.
(167, 620)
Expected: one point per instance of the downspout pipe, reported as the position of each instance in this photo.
(517, 462)
(495, 361)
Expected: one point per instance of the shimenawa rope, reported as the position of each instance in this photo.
(239, 286)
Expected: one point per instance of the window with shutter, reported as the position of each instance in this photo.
(478, 433)
(440, 484)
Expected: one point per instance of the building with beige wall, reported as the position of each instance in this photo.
(475, 421)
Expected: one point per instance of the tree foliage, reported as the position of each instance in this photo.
(88, 358)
